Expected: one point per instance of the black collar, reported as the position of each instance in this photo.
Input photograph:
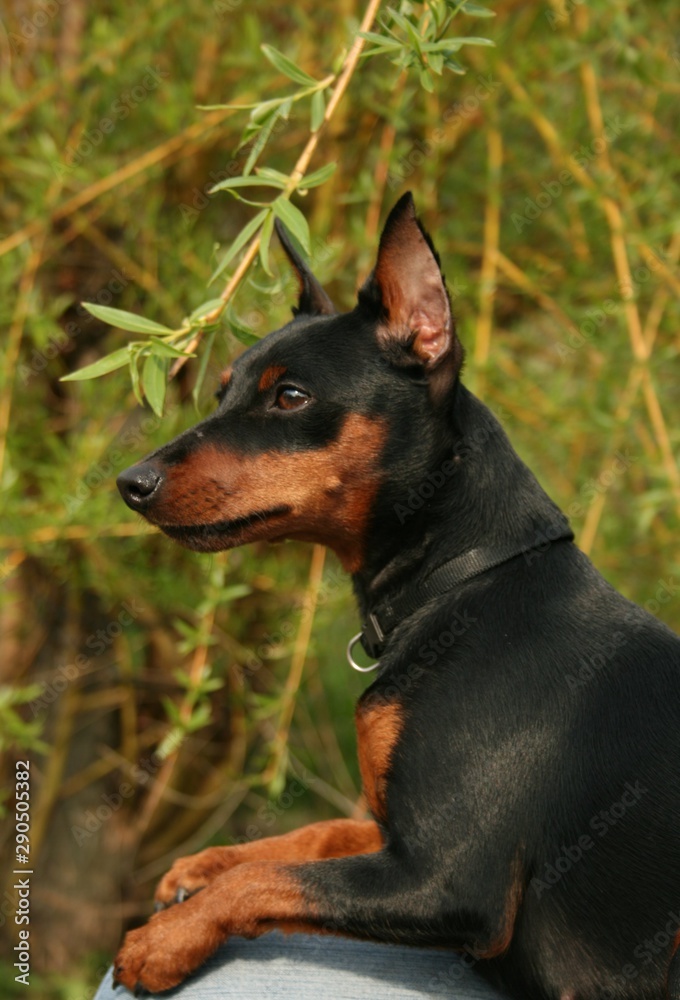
(383, 618)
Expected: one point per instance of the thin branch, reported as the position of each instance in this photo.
(296, 176)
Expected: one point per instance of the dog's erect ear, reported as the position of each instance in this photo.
(313, 300)
(410, 287)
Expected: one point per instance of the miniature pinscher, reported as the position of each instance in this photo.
(520, 744)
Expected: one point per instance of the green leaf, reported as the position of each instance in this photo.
(155, 382)
(382, 43)
(269, 174)
(453, 65)
(19, 696)
(200, 717)
(239, 329)
(372, 36)
(203, 365)
(167, 350)
(205, 309)
(265, 238)
(294, 220)
(436, 62)
(475, 10)
(118, 359)
(134, 377)
(318, 110)
(171, 742)
(234, 591)
(241, 107)
(212, 685)
(448, 45)
(266, 130)
(171, 709)
(245, 337)
(126, 320)
(317, 177)
(248, 230)
(242, 182)
(405, 25)
(426, 81)
(242, 333)
(287, 66)
(265, 109)
(473, 40)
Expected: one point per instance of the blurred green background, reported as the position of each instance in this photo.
(547, 174)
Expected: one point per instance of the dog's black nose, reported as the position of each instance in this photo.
(138, 484)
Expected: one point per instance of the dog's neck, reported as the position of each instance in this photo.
(476, 493)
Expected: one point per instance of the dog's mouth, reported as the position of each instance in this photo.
(217, 535)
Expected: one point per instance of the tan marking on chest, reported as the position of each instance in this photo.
(513, 900)
(378, 730)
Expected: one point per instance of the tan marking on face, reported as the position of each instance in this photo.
(328, 492)
(270, 376)
(225, 377)
(378, 730)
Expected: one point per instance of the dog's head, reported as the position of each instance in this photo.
(316, 419)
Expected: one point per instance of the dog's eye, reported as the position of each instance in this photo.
(288, 397)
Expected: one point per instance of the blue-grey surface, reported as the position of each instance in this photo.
(304, 967)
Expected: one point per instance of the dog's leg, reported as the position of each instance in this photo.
(384, 896)
(334, 838)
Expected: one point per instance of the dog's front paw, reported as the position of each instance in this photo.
(163, 952)
(188, 875)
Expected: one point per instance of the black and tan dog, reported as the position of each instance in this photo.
(525, 807)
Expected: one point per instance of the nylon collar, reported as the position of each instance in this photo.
(386, 615)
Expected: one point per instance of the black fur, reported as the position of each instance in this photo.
(533, 804)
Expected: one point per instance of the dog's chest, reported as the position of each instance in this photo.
(379, 726)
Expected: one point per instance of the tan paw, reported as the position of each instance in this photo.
(163, 952)
(188, 875)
